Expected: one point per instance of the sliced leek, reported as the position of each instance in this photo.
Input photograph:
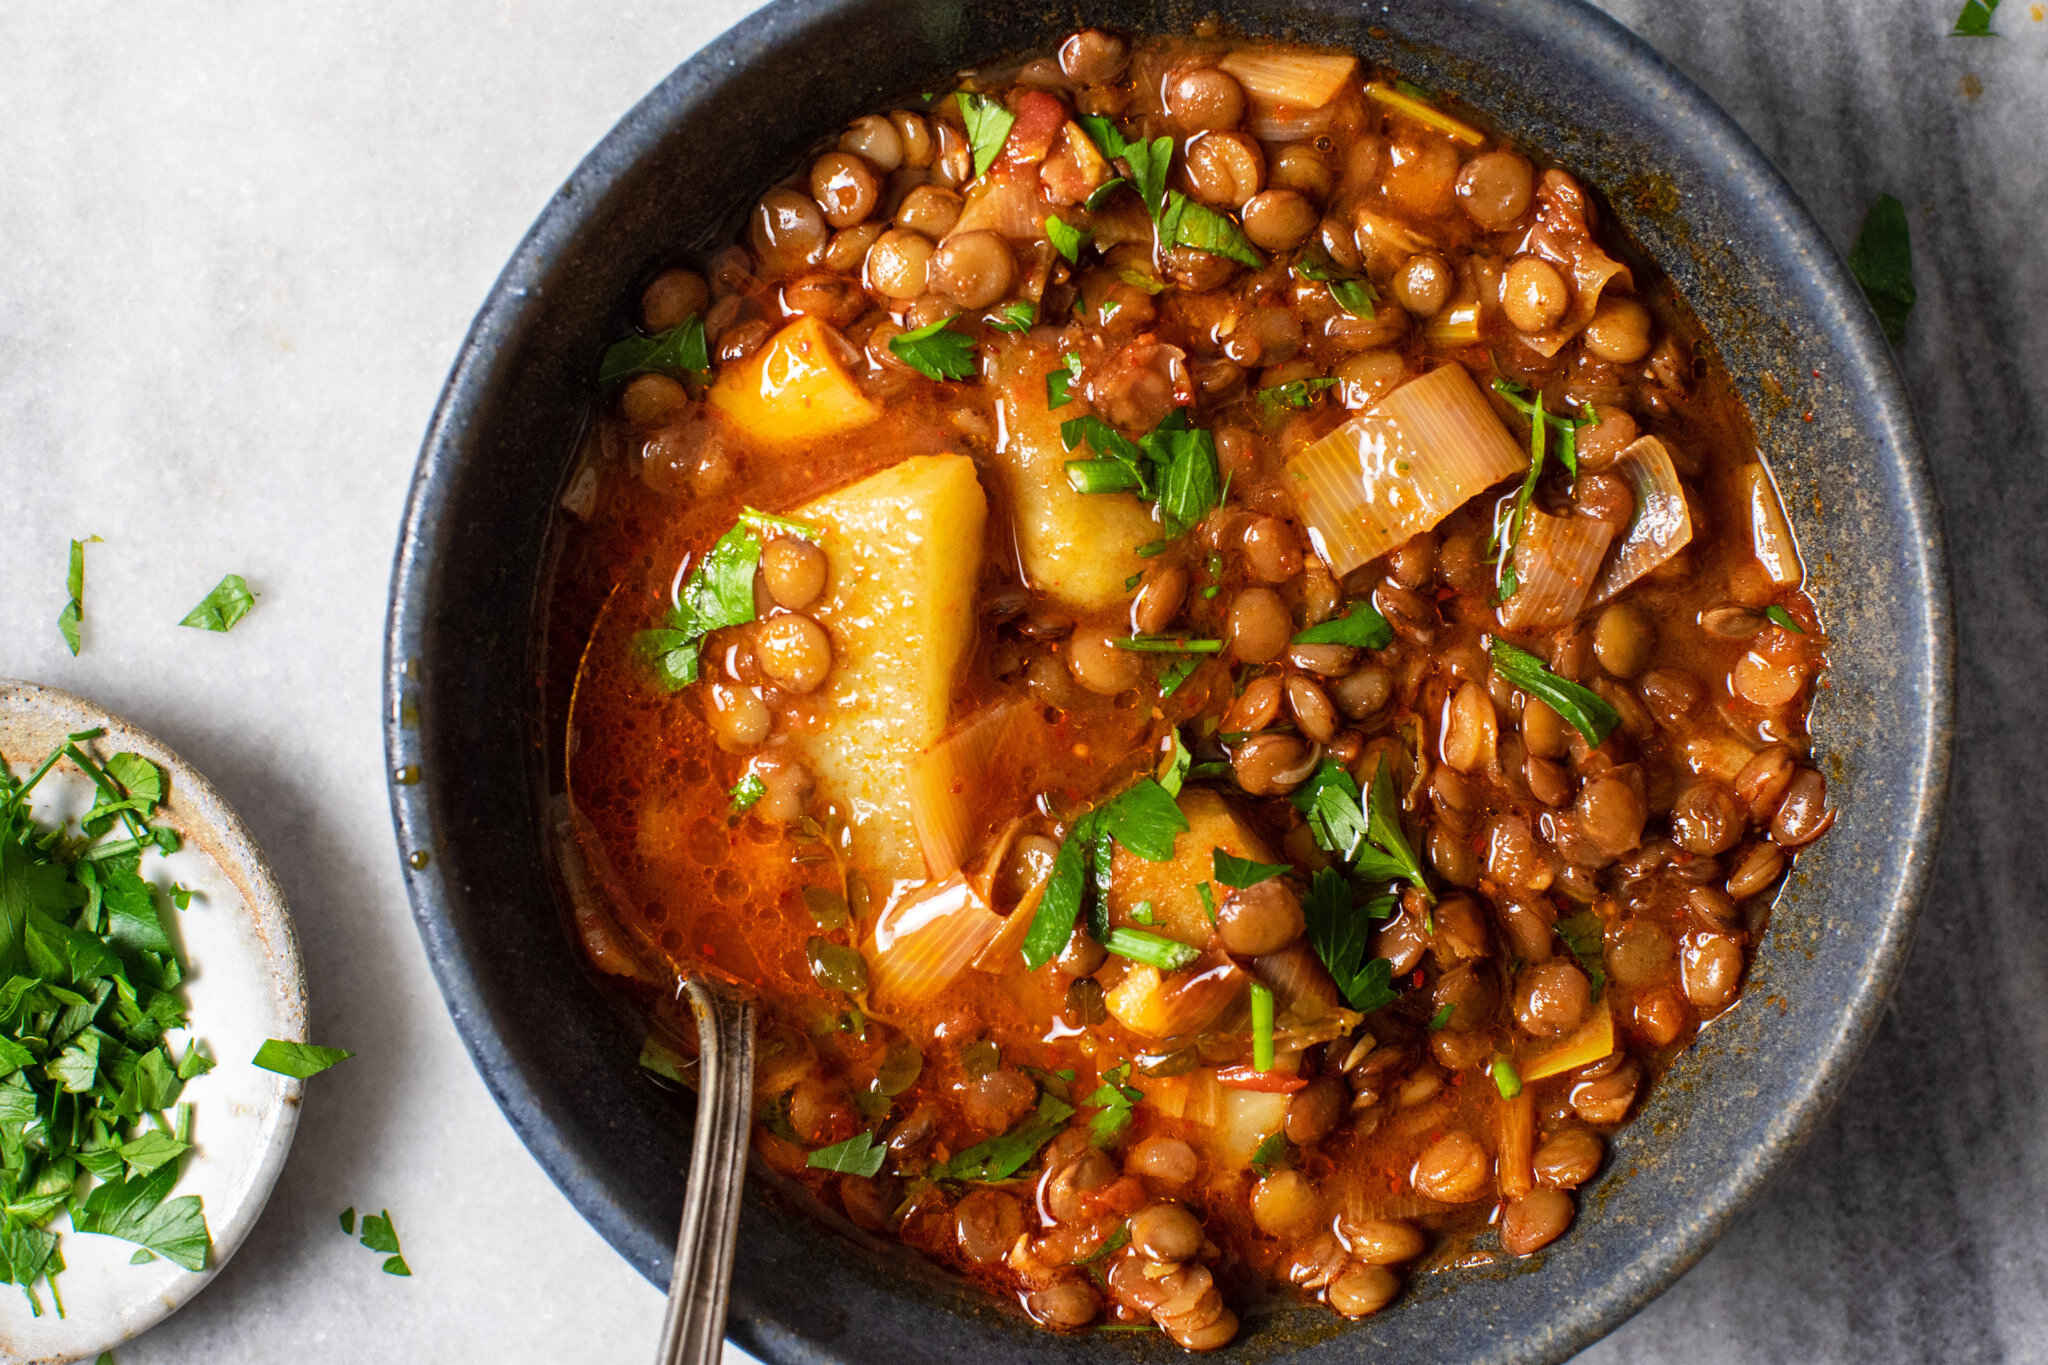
(1424, 113)
(1661, 525)
(1556, 563)
(1401, 466)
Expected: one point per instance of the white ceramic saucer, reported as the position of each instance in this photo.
(245, 985)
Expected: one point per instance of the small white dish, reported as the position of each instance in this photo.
(245, 984)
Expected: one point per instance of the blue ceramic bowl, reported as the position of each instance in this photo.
(464, 653)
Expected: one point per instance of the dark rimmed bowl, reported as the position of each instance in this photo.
(463, 654)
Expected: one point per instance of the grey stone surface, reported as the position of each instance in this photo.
(238, 246)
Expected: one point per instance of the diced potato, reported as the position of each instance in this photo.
(1171, 886)
(903, 554)
(796, 388)
(1077, 548)
(1188, 1001)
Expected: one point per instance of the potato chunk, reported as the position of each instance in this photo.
(1077, 548)
(796, 388)
(1171, 886)
(903, 550)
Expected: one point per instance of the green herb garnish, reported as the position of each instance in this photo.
(1273, 1152)
(1003, 1156)
(1112, 1100)
(220, 609)
(1975, 20)
(73, 613)
(745, 792)
(1353, 293)
(1059, 384)
(718, 593)
(1441, 1019)
(1360, 627)
(1882, 261)
(297, 1060)
(988, 127)
(858, 1155)
(1363, 830)
(1779, 616)
(935, 351)
(1175, 674)
(1065, 237)
(1295, 393)
(380, 1235)
(1143, 818)
(1183, 222)
(681, 348)
(1243, 872)
(1016, 316)
(1584, 709)
(1584, 935)
(1167, 644)
(1149, 163)
(1154, 950)
(1505, 1078)
(1339, 935)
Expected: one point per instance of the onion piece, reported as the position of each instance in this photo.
(1300, 983)
(1401, 466)
(950, 786)
(1295, 76)
(924, 940)
(1557, 562)
(1156, 1006)
(1662, 524)
(1424, 113)
(1769, 533)
(1005, 200)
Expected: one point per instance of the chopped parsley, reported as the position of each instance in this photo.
(380, 1235)
(681, 348)
(297, 1060)
(1506, 1079)
(1144, 819)
(935, 350)
(1566, 428)
(1361, 627)
(988, 127)
(1154, 950)
(1003, 1156)
(718, 593)
(1975, 20)
(1065, 237)
(1295, 393)
(1059, 383)
(220, 609)
(1183, 222)
(1015, 316)
(92, 978)
(1175, 674)
(1273, 1152)
(1112, 1101)
(73, 613)
(1363, 830)
(1354, 294)
(1338, 933)
(858, 1155)
(1780, 617)
(1243, 872)
(1173, 465)
(1583, 935)
(745, 792)
(1149, 163)
(1882, 261)
(1442, 1018)
(1584, 709)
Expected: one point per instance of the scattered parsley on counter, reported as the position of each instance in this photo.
(220, 609)
(297, 1060)
(73, 614)
(1882, 261)
(1975, 20)
(380, 1236)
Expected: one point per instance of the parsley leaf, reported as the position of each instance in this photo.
(745, 792)
(682, 347)
(1362, 627)
(1882, 261)
(136, 1210)
(988, 127)
(1780, 617)
(1295, 393)
(1339, 935)
(220, 609)
(1154, 950)
(1187, 223)
(1584, 709)
(1003, 1156)
(298, 1060)
(1104, 133)
(1243, 872)
(1149, 163)
(858, 1155)
(1442, 1018)
(1975, 20)
(1113, 1101)
(1065, 237)
(1143, 818)
(935, 351)
(1059, 384)
(1015, 316)
(380, 1235)
(1364, 831)
(1175, 674)
(1354, 294)
(719, 592)
(1273, 1152)
(1584, 934)
(73, 614)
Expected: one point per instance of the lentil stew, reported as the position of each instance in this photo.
(1217, 652)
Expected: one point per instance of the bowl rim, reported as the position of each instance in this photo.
(1732, 158)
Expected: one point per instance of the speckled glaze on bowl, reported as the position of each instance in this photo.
(1682, 180)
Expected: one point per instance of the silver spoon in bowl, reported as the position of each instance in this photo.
(693, 1330)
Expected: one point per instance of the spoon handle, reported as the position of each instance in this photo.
(693, 1332)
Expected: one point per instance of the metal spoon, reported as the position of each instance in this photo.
(693, 1332)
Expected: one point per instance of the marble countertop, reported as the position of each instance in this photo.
(238, 247)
